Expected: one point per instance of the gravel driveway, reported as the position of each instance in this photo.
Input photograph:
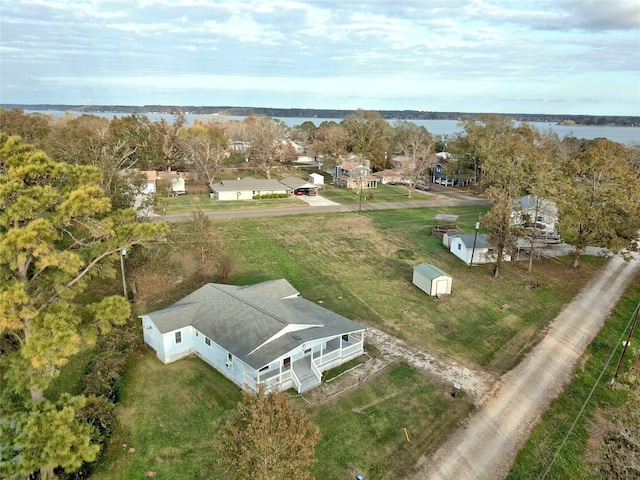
(486, 447)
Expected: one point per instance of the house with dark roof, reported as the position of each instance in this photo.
(257, 334)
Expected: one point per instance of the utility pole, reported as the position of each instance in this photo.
(626, 344)
(123, 252)
(473, 250)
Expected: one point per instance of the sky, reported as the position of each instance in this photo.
(521, 56)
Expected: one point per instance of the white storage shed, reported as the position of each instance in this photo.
(432, 280)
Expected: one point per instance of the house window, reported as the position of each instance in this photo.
(459, 247)
(207, 341)
(197, 334)
(307, 351)
(178, 337)
(264, 369)
(229, 360)
(287, 362)
(345, 338)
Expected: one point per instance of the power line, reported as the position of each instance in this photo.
(584, 405)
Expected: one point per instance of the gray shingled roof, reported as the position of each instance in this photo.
(242, 319)
(295, 183)
(481, 241)
(248, 184)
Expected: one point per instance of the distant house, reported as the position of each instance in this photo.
(531, 211)
(388, 177)
(353, 176)
(246, 188)
(257, 334)
(464, 246)
(431, 280)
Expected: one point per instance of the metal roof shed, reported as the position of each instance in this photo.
(432, 280)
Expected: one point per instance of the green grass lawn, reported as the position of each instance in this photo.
(189, 203)
(168, 414)
(359, 265)
(363, 432)
(382, 194)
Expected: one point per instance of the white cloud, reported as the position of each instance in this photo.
(381, 52)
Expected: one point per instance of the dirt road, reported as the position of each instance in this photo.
(486, 447)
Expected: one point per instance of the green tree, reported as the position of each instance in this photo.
(600, 206)
(56, 233)
(265, 438)
(415, 143)
(329, 143)
(266, 142)
(502, 233)
(205, 149)
(368, 135)
(505, 178)
(33, 128)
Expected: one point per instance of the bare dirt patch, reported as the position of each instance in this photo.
(389, 350)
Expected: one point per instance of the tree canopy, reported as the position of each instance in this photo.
(265, 438)
(57, 232)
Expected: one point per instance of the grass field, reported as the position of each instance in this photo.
(359, 265)
(168, 415)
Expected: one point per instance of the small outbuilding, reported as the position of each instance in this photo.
(432, 280)
(316, 179)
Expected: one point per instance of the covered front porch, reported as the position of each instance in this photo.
(304, 372)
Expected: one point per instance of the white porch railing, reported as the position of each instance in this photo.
(316, 370)
(346, 351)
(296, 382)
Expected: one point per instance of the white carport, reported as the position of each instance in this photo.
(432, 280)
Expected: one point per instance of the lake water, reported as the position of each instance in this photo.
(625, 135)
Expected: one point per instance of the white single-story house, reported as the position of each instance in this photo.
(465, 245)
(431, 280)
(316, 179)
(246, 188)
(257, 334)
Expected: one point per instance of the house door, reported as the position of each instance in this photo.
(287, 363)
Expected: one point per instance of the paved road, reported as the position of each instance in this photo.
(486, 448)
(443, 201)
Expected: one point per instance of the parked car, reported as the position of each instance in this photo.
(298, 192)
(311, 192)
(178, 192)
(423, 186)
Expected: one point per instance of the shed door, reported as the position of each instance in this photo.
(441, 286)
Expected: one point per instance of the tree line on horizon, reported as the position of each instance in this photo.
(594, 120)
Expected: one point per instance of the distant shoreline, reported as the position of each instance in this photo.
(576, 120)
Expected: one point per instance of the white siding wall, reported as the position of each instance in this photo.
(174, 351)
(153, 337)
(216, 356)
